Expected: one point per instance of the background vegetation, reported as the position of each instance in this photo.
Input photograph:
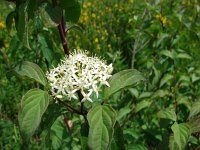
(159, 38)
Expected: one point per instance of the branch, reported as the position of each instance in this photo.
(61, 28)
(71, 109)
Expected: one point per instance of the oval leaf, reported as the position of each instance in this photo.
(101, 121)
(31, 70)
(141, 105)
(195, 109)
(181, 134)
(123, 79)
(167, 114)
(34, 103)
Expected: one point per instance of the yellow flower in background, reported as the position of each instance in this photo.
(131, 1)
(89, 4)
(96, 40)
(7, 45)
(93, 15)
(2, 25)
(162, 18)
(102, 38)
(84, 6)
(109, 46)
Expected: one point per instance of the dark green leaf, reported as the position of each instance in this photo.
(46, 48)
(51, 16)
(136, 147)
(84, 136)
(22, 24)
(10, 19)
(118, 140)
(72, 10)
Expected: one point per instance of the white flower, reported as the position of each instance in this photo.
(78, 72)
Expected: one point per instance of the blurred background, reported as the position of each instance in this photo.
(160, 38)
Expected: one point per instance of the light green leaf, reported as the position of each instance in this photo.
(181, 134)
(101, 121)
(184, 56)
(167, 53)
(195, 109)
(141, 105)
(161, 93)
(167, 114)
(123, 112)
(33, 105)
(172, 144)
(194, 125)
(31, 70)
(182, 100)
(121, 80)
(166, 79)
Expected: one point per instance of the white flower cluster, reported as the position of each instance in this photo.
(78, 72)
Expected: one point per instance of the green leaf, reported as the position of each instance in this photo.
(167, 114)
(123, 112)
(51, 16)
(34, 104)
(170, 54)
(57, 136)
(31, 70)
(172, 144)
(22, 24)
(184, 56)
(166, 79)
(101, 121)
(194, 125)
(46, 48)
(141, 105)
(32, 7)
(9, 20)
(72, 10)
(136, 147)
(181, 134)
(84, 136)
(121, 80)
(118, 140)
(195, 109)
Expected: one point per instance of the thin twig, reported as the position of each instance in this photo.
(70, 108)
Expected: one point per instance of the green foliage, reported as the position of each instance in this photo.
(33, 105)
(181, 134)
(101, 121)
(31, 70)
(160, 39)
(121, 80)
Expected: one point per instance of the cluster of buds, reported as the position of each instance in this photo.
(78, 72)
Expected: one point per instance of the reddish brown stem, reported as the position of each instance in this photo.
(61, 28)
